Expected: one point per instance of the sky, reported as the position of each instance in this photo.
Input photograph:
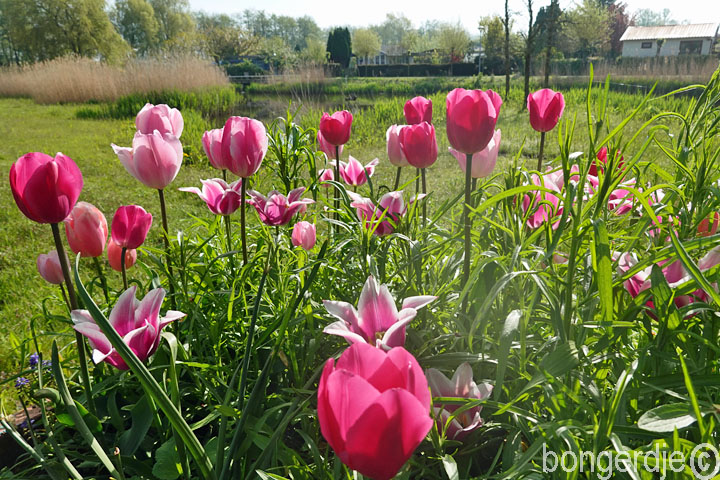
(361, 13)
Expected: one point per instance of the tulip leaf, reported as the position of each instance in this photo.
(556, 363)
(148, 382)
(142, 416)
(693, 269)
(167, 461)
(602, 265)
(451, 467)
(667, 418)
(512, 321)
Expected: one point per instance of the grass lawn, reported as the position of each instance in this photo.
(28, 126)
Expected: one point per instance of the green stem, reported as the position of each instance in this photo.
(123, 252)
(397, 180)
(82, 358)
(243, 190)
(166, 238)
(224, 175)
(424, 191)
(417, 182)
(337, 179)
(103, 281)
(228, 234)
(542, 149)
(468, 224)
(65, 297)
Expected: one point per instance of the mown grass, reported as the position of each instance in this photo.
(67, 128)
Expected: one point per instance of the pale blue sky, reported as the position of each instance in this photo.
(367, 12)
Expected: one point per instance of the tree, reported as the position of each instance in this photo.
(339, 46)
(314, 53)
(177, 27)
(547, 25)
(365, 43)
(506, 24)
(529, 43)
(223, 38)
(454, 41)
(491, 36)
(586, 29)
(619, 22)
(45, 29)
(135, 21)
(648, 18)
(394, 29)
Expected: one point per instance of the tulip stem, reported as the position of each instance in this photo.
(542, 148)
(417, 182)
(123, 269)
(467, 224)
(65, 297)
(243, 190)
(424, 191)
(337, 179)
(82, 358)
(166, 238)
(397, 180)
(228, 233)
(224, 175)
(103, 282)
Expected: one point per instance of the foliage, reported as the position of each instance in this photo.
(586, 30)
(135, 20)
(454, 41)
(339, 46)
(366, 43)
(646, 17)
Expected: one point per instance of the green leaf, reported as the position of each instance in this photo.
(667, 418)
(603, 268)
(142, 416)
(508, 332)
(451, 467)
(167, 462)
(556, 363)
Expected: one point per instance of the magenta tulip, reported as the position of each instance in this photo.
(161, 118)
(471, 118)
(326, 175)
(87, 230)
(221, 198)
(373, 408)
(376, 321)
(212, 144)
(138, 323)
(336, 128)
(154, 159)
(276, 209)
(384, 218)
(244, 145)
(419, 144)
(303, 235)
(602, 157)
(460, 386)
(546, 107)
(418, 110)
(326, 147)
(353, 173)
(394, 150)
(49, 267)
(483, 163)
(114, 252)
(130, 226)
(45, 188)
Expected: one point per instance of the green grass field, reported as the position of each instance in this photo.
(31, 127)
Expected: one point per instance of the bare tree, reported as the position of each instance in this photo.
(506, 23)
(529, 41)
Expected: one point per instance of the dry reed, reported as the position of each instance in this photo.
(77, 79)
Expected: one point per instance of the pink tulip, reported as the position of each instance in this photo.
(376, 321)
(419, 145)
(326, 175)
(161, 118)
(45, 188)
(327, 148)
(483, 163)
(602, 158)
(212, 144)
(547, 206)
(546, 107)
(276, 209)
(244, 145)
(221, 198)
(353, 173)
(130, 226)
(373, 408)
(384, 218)
(460, 386)
(138, 323)
(49, 267)
(471, 118)
(705, 229)
(303, 235)
(154, 159)
(418, 110)
(87, 230)
(114, 252)
(394, 150)
(336, 128)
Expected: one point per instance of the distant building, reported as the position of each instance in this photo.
(669, 40)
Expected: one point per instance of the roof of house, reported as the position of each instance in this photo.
(700, 30)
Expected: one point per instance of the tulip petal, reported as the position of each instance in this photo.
(342, 310)
(122, 316)
(395, 335)
(341, 329)
(350, 395)
(149, 308)
(418, 302)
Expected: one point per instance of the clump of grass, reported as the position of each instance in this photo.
(78, 80)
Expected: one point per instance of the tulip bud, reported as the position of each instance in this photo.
(545, 107)
(49, 267)
(471, 118)
(244, 145)
(212, 144)
(86, 230)
(394, 150)
(130, 226)
(418, 110)
(419, 144)
(336, 128)
(114, 252)
(161, 118)
(304, 235)
(154, 159)
(327, 148)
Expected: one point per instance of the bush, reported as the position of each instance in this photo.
(418, 70)
(244, 68)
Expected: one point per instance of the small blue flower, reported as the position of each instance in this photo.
(47, 363)
(34, 359)
(21, 382)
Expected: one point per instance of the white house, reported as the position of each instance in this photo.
(669, 40)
